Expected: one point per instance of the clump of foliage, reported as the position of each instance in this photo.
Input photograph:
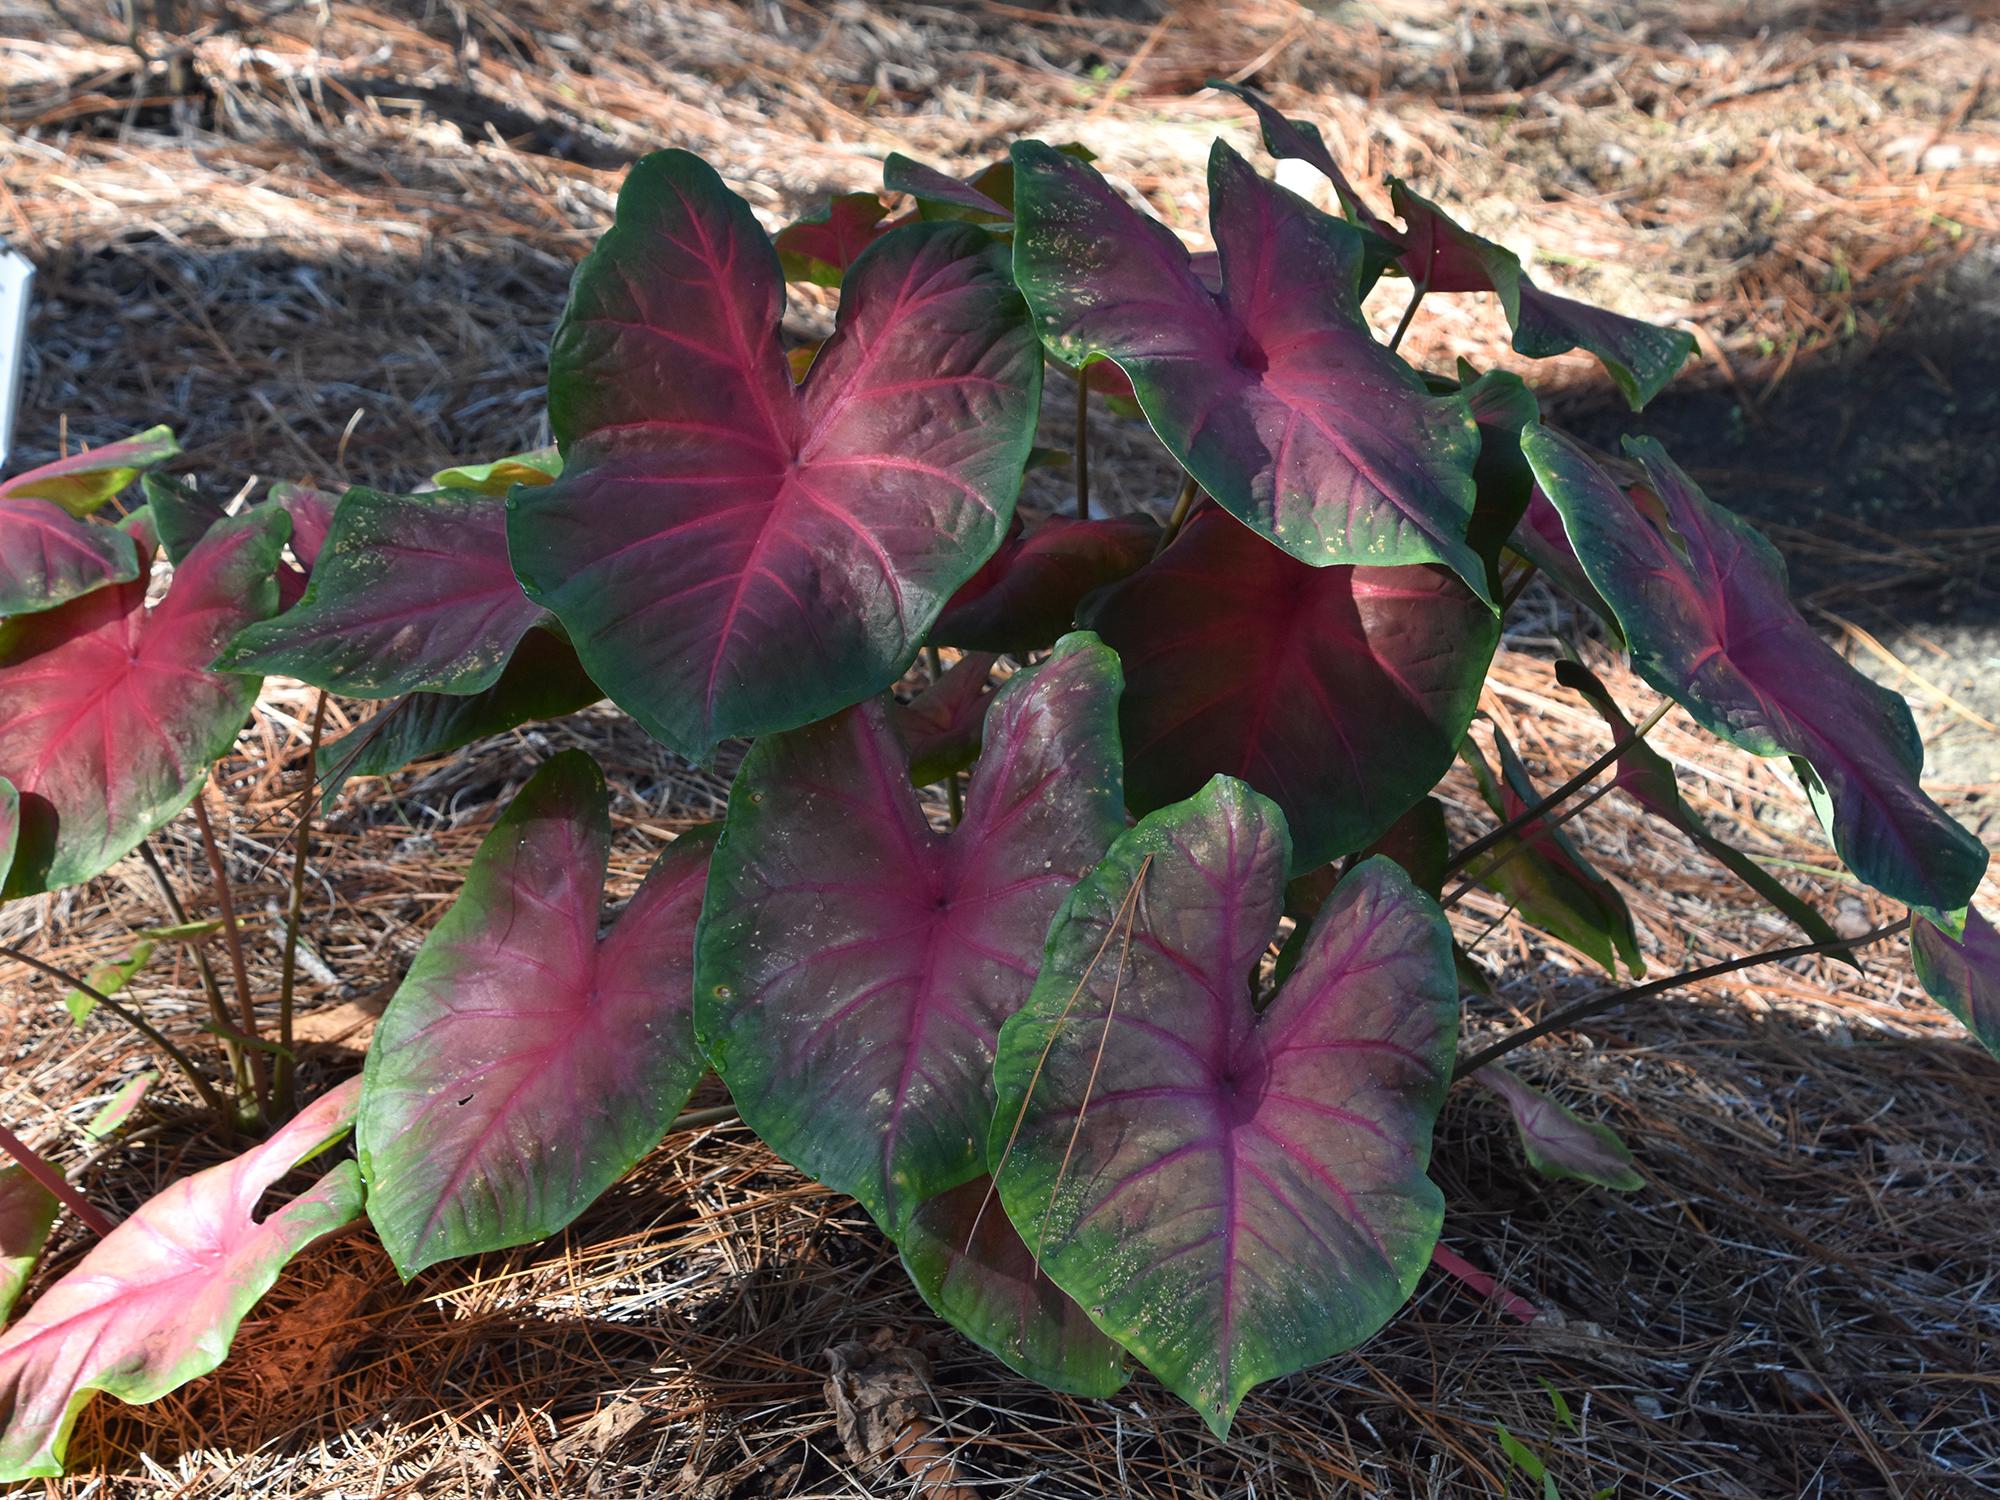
(1158, 1091)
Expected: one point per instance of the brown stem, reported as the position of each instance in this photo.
(1561, 794)
(1582, 1010)
(50, 1177)
(137, 1022)
(1517, 587)
(1183, 503)
(225, 906)
(293, 913)
(1532, 841)
(218, 1013)
(1082, 448)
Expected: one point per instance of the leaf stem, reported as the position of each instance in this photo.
(218, 1013)
(51, 1177)
(293, 912)
(1523, 846)
(1183, 503)
(1416, 298)
(1582, 1010)
(225, 906)
(1540, 809)
(137, 1022)
(1082, 448)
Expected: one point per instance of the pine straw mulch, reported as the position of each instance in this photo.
(335, 254)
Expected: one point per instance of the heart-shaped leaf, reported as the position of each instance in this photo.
(1702, 601)
(1647, 777)
(941, 727)
(1545, 876)
(525, 1064)
(1340, 692)
(1963, 974)
(109, 716)
(84, 481)
(1300, 140)
(411, 593)
(821, 247)
(27, 1214)
(943, 197)
(1558, 1143)
(158, 1300)
(1232, 1194)
(48, 556)
(542, 680)
(964, 1255)
(536, 466)
(853, 966)
(1273, 393)
(731, 555)
(1026, 596)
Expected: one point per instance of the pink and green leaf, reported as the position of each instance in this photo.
(27, 1214)
(974, 1270)
(1559, 1143)
(1963, 974)
(312, 513)
(109, 716)
(526, 1064)
(157, 1302)
(821, 247)
(84, 481)
(1543, 875)
(1231, 1193)
(106, 979)
(48, 556)
(1272, 392)
(1702, 601)
(120, 1107)
(410, 593)
(854, 966)
(1025, 597)
(940, 196)
(1341, 693)
(733, 555)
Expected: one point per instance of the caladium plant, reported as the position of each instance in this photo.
(1109, 1111)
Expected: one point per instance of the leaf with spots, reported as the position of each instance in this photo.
(1232, 1193)
(1701, 597)
(410, 593)
(1271, 390)
(109, 715)
(854, 966)
(526, 1063)
(1341, 693)
(158, 1300)
(48, 556)
(733, 555)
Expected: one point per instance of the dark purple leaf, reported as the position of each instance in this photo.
(1026, 595)
(1273, 394)
(312, 514)
(729, 554)
(962, 1252)
(526, 1063)
(1963, 974)
(109, 716)
(939, 196)
(1232, 1194)
(941, 727)
(1702, 601)
(1340, 692)
(411, 593)
(1557, 1142)
(854, 966)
